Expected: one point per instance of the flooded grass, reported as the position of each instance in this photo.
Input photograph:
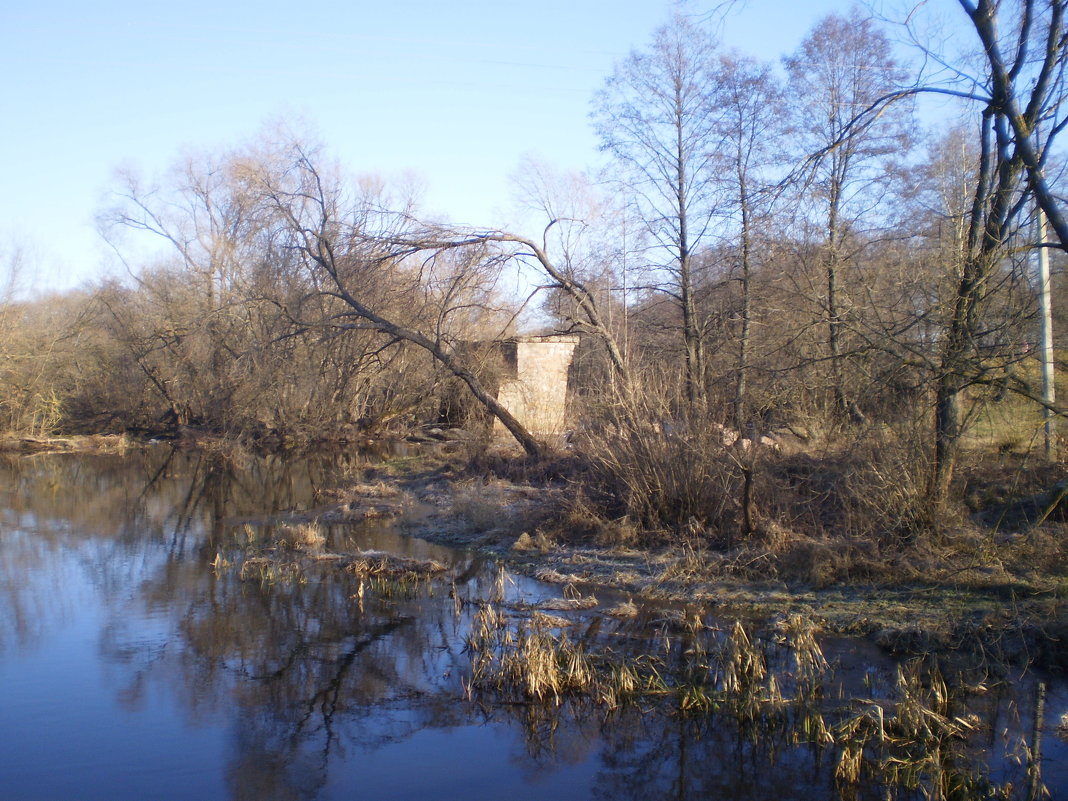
(916, 736)
(913, 737)
(294, 552)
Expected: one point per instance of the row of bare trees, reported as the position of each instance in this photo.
(775, 249)
(794, 228)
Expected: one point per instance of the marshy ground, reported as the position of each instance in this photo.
(298, 570)
(995, 586)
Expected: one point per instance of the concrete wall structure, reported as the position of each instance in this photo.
(533, 385)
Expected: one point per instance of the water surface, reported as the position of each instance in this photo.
(134, 666)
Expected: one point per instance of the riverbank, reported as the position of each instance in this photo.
(995, 597)
(993, 588)
(93, 443)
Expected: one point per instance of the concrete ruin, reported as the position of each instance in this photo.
(533, 381)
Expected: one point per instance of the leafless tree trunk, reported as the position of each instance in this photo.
(331, 242)
(1016, 139)
(842, 67)
(656, 119)
(996, 205)
(1044, 75)
(751, 128)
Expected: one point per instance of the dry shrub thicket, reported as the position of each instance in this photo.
(851, 504)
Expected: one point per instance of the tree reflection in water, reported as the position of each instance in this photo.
(313, 682)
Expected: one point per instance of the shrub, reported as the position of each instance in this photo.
(665, 469)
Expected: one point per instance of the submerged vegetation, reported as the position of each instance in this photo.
(921, 734)
(296, 553)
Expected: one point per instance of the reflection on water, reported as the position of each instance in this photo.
(138, 666)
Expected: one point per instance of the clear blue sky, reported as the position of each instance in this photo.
(454, 92)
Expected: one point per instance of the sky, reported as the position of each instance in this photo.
(453, 94)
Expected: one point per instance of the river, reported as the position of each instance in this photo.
(140, 661)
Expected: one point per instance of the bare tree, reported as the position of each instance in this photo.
(992, 221)
(654, 117)
(186, 327)
(1025, 44)
(1018, 95)
(212, 320)
(563, 278)
(586, 247)
(843, 67)
(348, 249)
(34, 340)
(751, 129)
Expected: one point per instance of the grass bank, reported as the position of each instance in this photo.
(992, 582)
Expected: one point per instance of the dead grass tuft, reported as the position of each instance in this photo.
(539, 543)
(551, 576)
(627, 609)
(911, 742)
(302, 536)
(581, 521)
(381, 564)
(482, 504)
(569, 604)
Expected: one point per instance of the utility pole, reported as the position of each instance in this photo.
(1049, 392)
(626, 305)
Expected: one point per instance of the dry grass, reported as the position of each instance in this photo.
(380, 564)
(301, 537)
(1007, 423)
(914, 742)
(569, 604)
(854, 512)
(30, 442)
(914, 739)
(494, 506)
(532, 662)
(651, 469)
(540, 542)
(291, 553)
(374, 489)
(266, 570)
(627, 609)
(665, 480)
(529, 659)
(582, 521)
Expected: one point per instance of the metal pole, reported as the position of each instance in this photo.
(1049, 392)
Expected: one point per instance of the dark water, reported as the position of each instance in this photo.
(133, 667)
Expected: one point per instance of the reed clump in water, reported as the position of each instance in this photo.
(775, 688)
(537, 660)
(295, 553)
(391, 576)
(381, 564)
(267, 570)
(915, 742)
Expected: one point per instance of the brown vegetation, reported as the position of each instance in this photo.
(914, 736)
